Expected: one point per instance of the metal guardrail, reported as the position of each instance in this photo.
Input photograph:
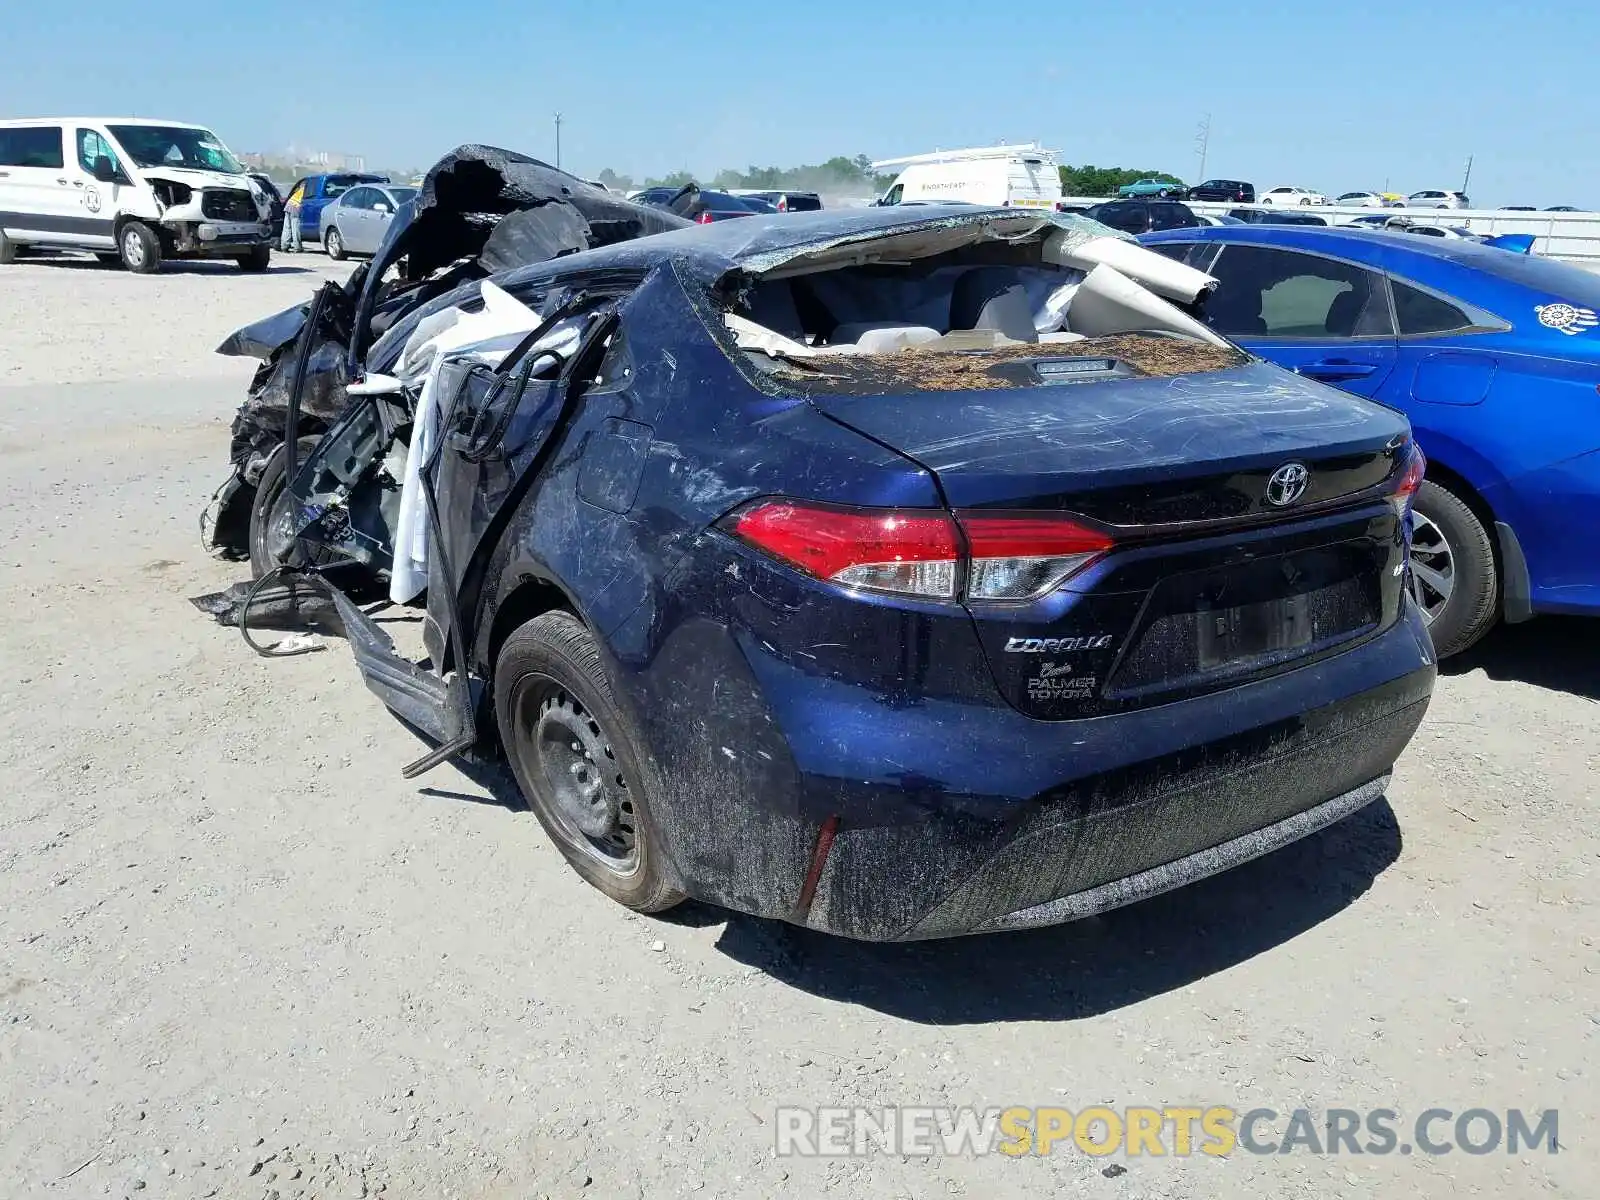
(1572, 237)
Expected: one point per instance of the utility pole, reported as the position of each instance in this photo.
(1202, 139)
(1468, 178)
(558, 141)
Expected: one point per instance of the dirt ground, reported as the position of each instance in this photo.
(241, 957)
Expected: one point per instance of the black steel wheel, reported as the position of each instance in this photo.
(578, 761)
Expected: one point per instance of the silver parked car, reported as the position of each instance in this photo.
(1438, 200)
(356, 222)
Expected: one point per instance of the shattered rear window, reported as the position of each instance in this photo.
(1128, 355)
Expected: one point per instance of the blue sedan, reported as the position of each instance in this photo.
(1494, 356)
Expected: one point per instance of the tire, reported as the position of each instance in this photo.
(109, 259)
(558, 722)
(139, 248)
(333, 243)
(1305, 201)
(258, 260)
(8, 250)
(269, 489)
(1163, 194)
(1453, 578)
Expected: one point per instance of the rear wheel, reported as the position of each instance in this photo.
(580, 764)
(1453, 576)
(259, 259)
(139, 248)
(333, 244)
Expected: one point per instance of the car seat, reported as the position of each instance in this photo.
(993, 298)
(772, 304)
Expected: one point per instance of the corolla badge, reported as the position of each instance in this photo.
(1568, 318)
(1288, 484)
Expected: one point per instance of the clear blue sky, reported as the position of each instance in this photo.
(1330, 94)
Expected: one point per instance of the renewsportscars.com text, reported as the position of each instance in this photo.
(1176, 1131)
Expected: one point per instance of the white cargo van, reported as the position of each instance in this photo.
(1002, 176)
(130, 190)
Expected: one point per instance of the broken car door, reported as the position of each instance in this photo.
(495, 427)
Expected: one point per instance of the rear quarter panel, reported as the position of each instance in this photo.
(1523, 428)
(684, 613)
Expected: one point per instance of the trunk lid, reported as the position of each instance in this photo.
(1135, 451)
(1210, 582)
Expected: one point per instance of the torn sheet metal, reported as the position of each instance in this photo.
(468, 192)
(481, 211)
(807, 242)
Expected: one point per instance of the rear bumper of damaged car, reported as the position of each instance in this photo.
(1053, 821)
(1142, 886)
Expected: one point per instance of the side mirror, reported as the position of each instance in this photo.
(104, 171)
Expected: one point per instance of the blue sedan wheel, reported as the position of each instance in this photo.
(1453, 576)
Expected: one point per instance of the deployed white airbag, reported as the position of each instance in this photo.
(1157, 272)
(486, 336)
(1108, 302)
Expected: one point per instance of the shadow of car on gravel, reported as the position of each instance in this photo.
(1559, 653)
(1085, 968)
(69, 260)
(1061, 973)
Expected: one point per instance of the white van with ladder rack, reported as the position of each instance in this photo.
(1024, 176)
(128, 190)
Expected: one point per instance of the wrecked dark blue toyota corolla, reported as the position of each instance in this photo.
(900, 573)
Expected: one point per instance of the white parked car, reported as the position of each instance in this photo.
(1293, 195)
(1438, 200)
(1362, 200)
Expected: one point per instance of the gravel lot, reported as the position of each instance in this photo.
(241, 957)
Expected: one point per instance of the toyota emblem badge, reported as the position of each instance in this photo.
(1288, 484)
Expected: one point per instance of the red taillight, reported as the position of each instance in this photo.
(783, 204)
(1016, 557)
(1405, 490)
(705, 217)
(909, 551)
(918, 552)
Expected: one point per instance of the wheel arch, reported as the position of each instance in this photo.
(531, 596)
(1454, 481)
(1510, 563)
